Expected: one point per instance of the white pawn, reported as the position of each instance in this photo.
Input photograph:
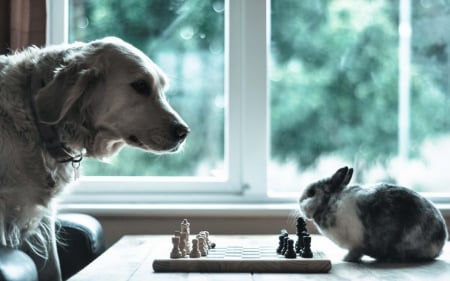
(195, 253)
(202, 246)
(175, 253)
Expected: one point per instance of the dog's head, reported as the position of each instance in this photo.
(116, 93)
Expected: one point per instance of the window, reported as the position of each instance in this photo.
(202, 35)
(362, 82)
(187, 39)
(279, 94)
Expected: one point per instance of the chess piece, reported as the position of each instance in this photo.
(280, 243)
(285, 244)
(195, 252)
(202, 246)
(211, 245)
(185, 228)
(307, 253)
(175, 253)
(182, 246)
(206, 235)
(203, 234)
(290, 252)
(301, 231)
(283, 234)
(188, 246)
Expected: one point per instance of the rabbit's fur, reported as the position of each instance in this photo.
(386, 222)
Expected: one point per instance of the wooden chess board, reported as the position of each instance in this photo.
(245, 258)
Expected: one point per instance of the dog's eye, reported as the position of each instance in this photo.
(142, 87)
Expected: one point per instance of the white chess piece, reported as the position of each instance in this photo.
(185, 228)
(175, 253)
(182, 245)
(202, 246)
(195, 253)
(210, 244)
(204, 234)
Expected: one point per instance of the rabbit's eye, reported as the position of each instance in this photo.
(311, 193)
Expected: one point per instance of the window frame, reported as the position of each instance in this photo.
(247, 115)
(246, 91)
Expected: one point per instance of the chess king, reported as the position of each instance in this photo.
(383, 221)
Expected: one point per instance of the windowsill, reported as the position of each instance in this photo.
(191, 210)
(196, 210)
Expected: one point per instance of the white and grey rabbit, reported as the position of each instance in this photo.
(386, 222)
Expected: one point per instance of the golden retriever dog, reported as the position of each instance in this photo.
(58, 104)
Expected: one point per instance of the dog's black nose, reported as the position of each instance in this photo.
(180, 131)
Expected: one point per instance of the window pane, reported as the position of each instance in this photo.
(186, 39)
(334, 83)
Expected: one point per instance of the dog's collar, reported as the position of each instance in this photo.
(52, 143)
(57, 149)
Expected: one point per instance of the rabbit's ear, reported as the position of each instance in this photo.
(55, 100)
(341, 178)
(348, 177)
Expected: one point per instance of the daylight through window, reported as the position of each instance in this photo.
(363, 83)
(186, 38)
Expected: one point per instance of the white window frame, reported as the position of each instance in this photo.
(246, 125)
(247, 154)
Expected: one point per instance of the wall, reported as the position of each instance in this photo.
(230, 221)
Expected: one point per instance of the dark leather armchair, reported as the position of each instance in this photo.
(81, 241)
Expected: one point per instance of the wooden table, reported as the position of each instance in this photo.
(131, 258)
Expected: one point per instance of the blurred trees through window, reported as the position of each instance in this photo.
(334, 76)
(186, 38)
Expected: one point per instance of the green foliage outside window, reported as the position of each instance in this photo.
(180, 35)
(334, 77)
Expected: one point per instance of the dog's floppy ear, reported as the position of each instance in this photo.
(70, 82)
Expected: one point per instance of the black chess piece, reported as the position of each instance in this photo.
(285, 245)
(290, 252)
(301, 231)
(283, 233)
(307, 253)
(280, 243)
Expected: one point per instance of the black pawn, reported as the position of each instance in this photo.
(307, 253)
(290, 252)
(285, 245)
(280, 243)
(283, 233)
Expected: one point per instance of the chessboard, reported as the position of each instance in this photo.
(237, 255)
(241, 258)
